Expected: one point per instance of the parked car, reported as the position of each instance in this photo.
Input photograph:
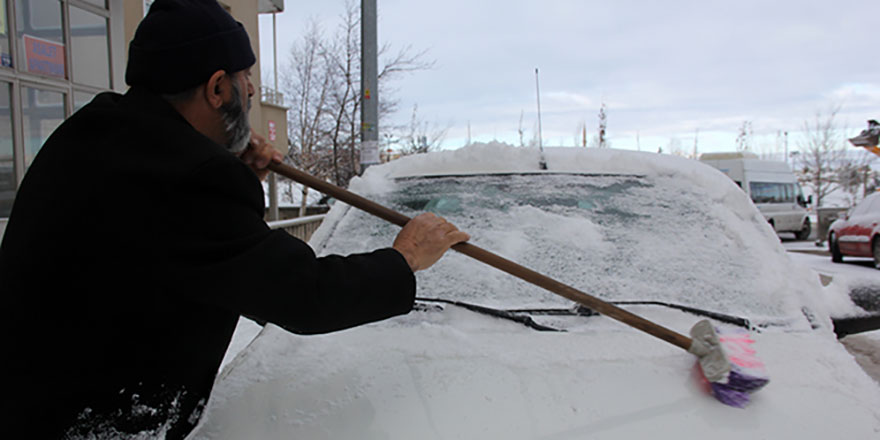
(485, 355)
(858, 233)
(771, 185)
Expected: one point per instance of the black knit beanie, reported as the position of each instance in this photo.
(181, 43)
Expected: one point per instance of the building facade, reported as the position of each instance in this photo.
(56, 55)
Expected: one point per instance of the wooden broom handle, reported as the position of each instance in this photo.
(490, 258)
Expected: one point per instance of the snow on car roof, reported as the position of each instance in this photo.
(498, 157)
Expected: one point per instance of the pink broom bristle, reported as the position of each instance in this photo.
(747, 373)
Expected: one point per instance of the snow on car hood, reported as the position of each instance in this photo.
(455, 374)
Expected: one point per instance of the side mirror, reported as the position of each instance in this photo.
(804, 203)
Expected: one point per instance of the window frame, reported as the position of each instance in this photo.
(18, 77)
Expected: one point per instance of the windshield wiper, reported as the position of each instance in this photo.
(522, 315)
(498, 313)
(729, 319)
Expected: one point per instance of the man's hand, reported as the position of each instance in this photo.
(259, 154)
(425, 239)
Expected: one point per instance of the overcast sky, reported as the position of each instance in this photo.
(664, 69)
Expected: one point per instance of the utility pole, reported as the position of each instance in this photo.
(543, 162)
(273, 179)
(369, 86)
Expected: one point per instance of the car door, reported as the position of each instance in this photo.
(855, 237)
(871, 223)
(793, 212)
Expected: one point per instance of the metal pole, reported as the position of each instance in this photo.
(542, 163)
(273, 179)
(538, 93)
(275, 50)
(369, 86)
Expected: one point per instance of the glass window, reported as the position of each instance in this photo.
(790, 193)
(90, 54)
(767, 192)
(80, 99)
(871, 204)
(41, 37)
(772, 192)
(7, 155)
(42, 111)
(99, 3)
(5, 52)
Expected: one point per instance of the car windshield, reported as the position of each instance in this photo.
(618, 237)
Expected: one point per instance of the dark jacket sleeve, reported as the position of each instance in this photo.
(218, 250)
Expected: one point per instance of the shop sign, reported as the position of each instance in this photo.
(44, 57)
(272, 131)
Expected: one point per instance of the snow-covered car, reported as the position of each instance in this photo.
(858, 233)
(487, 356)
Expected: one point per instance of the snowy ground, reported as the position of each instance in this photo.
(855, 272)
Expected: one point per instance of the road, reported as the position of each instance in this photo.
(865, 292)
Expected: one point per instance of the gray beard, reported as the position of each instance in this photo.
(235, 120)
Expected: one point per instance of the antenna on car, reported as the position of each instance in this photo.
(542, 164)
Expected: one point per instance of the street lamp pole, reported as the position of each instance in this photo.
(369, 86)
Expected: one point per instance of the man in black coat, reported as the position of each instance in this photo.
(119, 316)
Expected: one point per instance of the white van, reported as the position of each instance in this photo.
(772, 187)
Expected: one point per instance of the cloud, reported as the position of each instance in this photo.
(562, 101)
(663, 68)
(858, 94)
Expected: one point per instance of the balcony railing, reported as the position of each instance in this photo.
(270, 6)
(271, 96)
(300, 227)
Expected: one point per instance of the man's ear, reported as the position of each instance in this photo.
(214, 89)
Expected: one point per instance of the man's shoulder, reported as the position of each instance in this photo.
(141, 126)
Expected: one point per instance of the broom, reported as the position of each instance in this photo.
(730, 380)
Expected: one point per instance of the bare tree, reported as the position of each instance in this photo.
(420, 136)
(854, 174)
(343, 57)
(601, 141)
(520, 130)
(308, 82)
(820, 151)
(744, 137)
(323, 78)
(675, 147)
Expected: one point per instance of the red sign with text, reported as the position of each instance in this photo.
(44, 57)
(271, 131)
